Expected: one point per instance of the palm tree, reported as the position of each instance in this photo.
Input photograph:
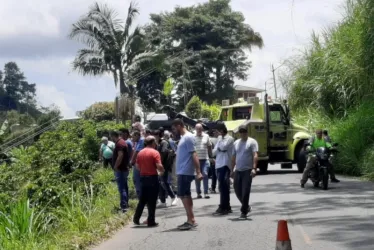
(111, 48)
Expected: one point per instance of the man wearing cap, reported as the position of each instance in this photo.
(244, 163)
(106, 151)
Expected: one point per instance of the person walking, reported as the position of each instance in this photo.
(121, 168)
(106, 152)
(136, 137)
(244, 162)
(187, 162)
(213, 173)
(167, 158)
(203, 150)
(223, 152)
(149, 165)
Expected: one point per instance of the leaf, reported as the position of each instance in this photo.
(168, 87)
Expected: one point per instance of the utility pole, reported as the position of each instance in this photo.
(275, 85)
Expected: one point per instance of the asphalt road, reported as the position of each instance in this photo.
(339, 218)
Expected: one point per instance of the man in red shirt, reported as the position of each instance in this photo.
(121, 160)
(149, 164)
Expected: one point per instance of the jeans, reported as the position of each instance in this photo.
(123, 188)
(165, 188)
(242, 186)
(204, 168)
(223, 175)
(214, 176)
(107, 162)
(136, 180)
(148, 196)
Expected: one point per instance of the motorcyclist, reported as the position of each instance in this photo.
(332, 172)
(314, 143)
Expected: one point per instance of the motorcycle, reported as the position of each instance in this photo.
(320, 173)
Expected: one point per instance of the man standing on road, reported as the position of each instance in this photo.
(244, 160)
(148, 164)
(106, 152)
(163, 147)
(125, 134)
(187, 162)
(121, 168)
(136, 136)
(223, 152)
(204, 150)
(213, 139)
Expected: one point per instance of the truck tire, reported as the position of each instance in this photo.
(301, 160)
(263, 166)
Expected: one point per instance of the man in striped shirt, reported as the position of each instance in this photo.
(203, 150)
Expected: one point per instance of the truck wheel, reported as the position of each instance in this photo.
(263, 166)
(301, 160)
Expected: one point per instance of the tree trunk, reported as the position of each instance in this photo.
(219, 80)
(123, 89)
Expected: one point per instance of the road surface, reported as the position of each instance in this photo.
(340, 218)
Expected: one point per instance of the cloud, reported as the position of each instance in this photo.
(35, 36)
(48, 95)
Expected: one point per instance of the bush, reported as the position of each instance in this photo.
(198, 109)
(54, 195)
(100, 111)
(354, 135)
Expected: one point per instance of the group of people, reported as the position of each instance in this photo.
(163, 166)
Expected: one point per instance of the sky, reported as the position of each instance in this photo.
(35, 37)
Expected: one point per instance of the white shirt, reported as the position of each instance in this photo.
(202, 144)
(223, 151)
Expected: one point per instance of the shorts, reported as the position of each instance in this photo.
(184, 185)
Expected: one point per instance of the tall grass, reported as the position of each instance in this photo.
(331, 85)
(336, 72)
(82, 219)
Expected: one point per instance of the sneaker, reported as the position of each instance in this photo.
(335, 180)
(243, 216)
(175, 201)
(213, 191)
(206, 196)
(136, 222)
(187, 226)
(199, 196)
(302, 185)
(221, 211)
(155, 224)
(162, 205)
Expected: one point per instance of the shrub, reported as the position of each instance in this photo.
(100, 111)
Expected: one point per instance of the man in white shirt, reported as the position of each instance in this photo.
(244, 160)
(203, 150)
(223, 152)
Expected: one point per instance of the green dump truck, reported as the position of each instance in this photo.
(269, 122)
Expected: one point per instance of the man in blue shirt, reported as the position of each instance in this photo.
(139, 145)
(187, 162)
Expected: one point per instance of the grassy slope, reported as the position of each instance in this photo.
(83, 220)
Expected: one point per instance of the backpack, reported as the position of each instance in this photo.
(167, 159)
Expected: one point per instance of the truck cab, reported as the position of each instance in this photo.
(269, 122)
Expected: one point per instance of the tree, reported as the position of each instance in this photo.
(194, 108)
(111, 48)
(205, 47)
(99, 111)
(14, 89)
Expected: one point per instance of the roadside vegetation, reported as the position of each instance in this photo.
(331, 85)
(55, 195)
